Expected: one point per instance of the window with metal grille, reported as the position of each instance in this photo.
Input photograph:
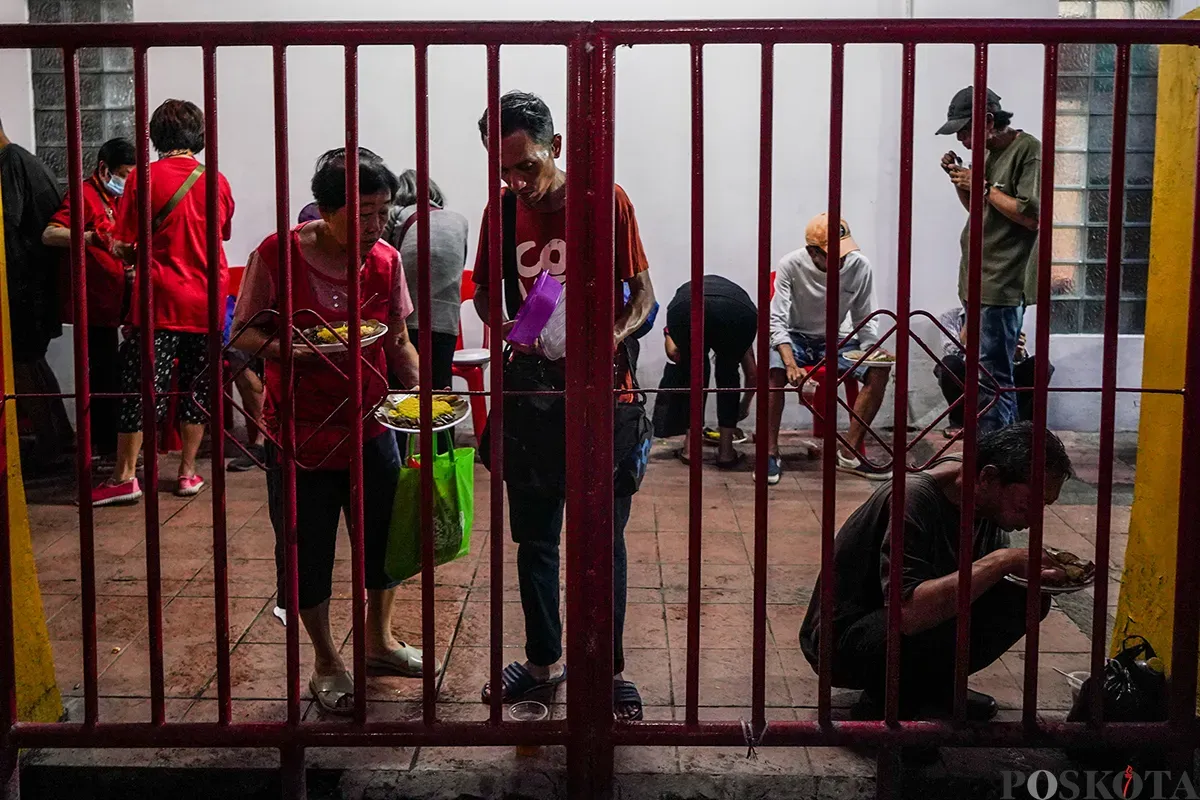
(105, 84)
(1081, 172)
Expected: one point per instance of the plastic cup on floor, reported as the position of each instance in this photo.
(528, 711)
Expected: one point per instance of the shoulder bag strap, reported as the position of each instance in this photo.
(408, 223)
(176, 198)
(512, 289)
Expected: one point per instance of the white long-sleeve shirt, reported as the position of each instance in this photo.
(799, 302)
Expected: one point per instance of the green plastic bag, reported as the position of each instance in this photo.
(453, 510)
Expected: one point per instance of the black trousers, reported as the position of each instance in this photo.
(536, 519)
(952, 371)
(729, 329)
(104, 376)
(927, 659)
(322, 496)
(444, 345)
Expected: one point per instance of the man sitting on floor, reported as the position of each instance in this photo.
(1003, 503)
(798, 337)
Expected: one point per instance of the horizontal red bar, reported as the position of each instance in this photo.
(280, 734)
(814, 31)
(901, 31)
(944, 733)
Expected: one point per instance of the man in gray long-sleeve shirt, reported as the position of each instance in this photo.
(798, 337)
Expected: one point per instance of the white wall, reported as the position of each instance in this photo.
(653, 156)
(16, 89)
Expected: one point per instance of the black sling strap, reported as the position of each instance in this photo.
(512, 286)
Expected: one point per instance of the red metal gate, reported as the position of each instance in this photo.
(589, 732)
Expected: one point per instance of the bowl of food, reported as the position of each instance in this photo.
(401, 411)
(329, 338)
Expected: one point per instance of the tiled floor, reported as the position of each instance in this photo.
(655, 630)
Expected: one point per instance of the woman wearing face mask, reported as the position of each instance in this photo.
(323, 418)
(107, 282)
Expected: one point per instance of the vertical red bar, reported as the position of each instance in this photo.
(830, 387)
(286, 356)
(424, 301)
(966, 540)
(216, 358)
(908, 81)
(496, 375)
(696, 396)
(1108, 382)
(354, 294)
(149, 399)
(589, 421)
(1185, 636)
(1041, 382)
(83, 396)
(766, 139)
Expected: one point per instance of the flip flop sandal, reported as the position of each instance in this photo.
(518, 682)
(685, 459)
(732, 463)
(330, 690)
(626, 696)
(406, 660)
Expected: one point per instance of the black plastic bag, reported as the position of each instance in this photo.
(1134, 690)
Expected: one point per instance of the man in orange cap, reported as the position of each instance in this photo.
(798, 336)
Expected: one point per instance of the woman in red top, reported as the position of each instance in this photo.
(179, 275)
(322, 416)
(105, 281)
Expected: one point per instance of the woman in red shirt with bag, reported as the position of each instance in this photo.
(179, 275)
(323, 418)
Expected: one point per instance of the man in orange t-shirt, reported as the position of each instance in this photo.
(528, 149)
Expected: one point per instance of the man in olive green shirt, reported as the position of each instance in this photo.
(1012, 181)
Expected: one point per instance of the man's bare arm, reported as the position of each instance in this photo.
(637, 310)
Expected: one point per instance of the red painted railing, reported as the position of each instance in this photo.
(589, 732)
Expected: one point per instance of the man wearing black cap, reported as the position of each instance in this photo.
(1012, 180)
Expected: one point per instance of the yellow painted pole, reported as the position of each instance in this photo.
(38, 698)
(1145, 606)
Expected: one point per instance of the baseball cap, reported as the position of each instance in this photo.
(958, 116)
(816, 234)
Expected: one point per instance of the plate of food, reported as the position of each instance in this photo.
(401, 411)
(1080, 573)
(877, 358)
(325, 338)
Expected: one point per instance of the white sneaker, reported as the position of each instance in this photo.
(281, 615)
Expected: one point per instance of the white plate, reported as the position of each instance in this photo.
(1075, 587)
(462, 410)
(338, 347)
(854, 355)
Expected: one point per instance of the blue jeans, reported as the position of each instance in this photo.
(999, 329)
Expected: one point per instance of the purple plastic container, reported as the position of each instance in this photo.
(536, 310)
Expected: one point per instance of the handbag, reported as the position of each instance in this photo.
(1135, 690)
(453, 510)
